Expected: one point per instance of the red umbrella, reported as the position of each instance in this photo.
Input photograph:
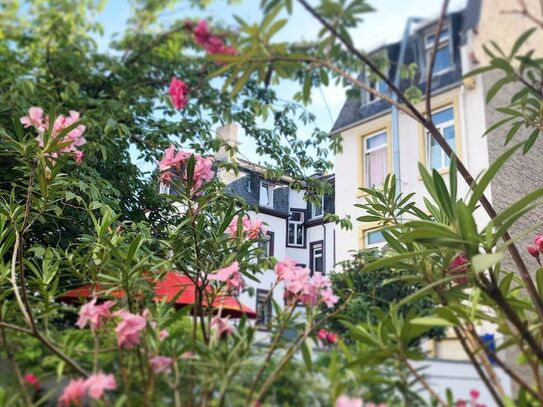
(173, 284)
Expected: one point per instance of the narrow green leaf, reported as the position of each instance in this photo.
(520, 41)
(482, 262)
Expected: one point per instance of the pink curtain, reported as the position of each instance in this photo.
(376, 167)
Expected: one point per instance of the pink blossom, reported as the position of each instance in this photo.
(172, 158)
(129, 329)
(75, 135)
(97, 383)
(161, 364)
(203, 171)
(178, 93)
(461, 403)
(222, 326)
(327, 337)
(346, 401)
(322, 334)
(78, 157)
(166, 177)
(230, 275)
(310, 293)
(32, 380)
(252, 228)
(284, 269)
(73, 393)
(329, 298)
(295, 284)
(474, 394)
(201, 33)
(232, 228)
(538, 241)
(94, 314)
(188, 355)
(163, 334)
(35, 119)
(321, 281)
(458, 267)
(213, 44)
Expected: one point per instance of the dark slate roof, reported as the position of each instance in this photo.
(354, 110)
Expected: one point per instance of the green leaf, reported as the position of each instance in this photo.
(512, 131)
(530, 142)
(477, 71)
(306, 353)
(495, 88)
(520, 41)
(539, 281)
(482, 262)
(498, 124)
(432, 321)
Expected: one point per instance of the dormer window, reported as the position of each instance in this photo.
(443, 60)
(375, 83)
(266, 194)
(317, 210)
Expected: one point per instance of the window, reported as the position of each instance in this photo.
(317, 210)
(266, 244)
(375, 159)
(263, 309)
(266, 194)
(374, 239)
(163, 188)
(375, 83)
(435, 156)
(443, 59)
(295, 235)
(316, 257)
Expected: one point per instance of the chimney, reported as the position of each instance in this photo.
(229, 134)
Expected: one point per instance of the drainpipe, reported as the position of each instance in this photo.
(395, 113)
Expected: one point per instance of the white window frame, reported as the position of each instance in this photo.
(297, 225)
(374, 84)
(314, 207)
(269, 188)
(367, 151)
(315, 246)
(441, 127)
(368, 245)
(443, 42)
(164, 188)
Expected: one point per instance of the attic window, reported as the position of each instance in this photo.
(375, 83)
(443, 60)
(266, 194)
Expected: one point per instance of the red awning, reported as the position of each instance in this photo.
(168, 288)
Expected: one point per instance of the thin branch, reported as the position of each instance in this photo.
(430, 67)
(424, 383)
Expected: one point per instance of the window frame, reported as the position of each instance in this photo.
(365, 152)
(441, 127)
(269, 237)
(266, 324)
(312, 247)
(314, 207)
(269, 187)
(298, 224)
(442, 43)
(367, 244)
(164, 188)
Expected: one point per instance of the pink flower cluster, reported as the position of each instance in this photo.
(536, 248)
(173, 159)
(178, 93)
(474, 394)
(32, 379)
(94, 387)
(37, 119)
(94, 314)
(300, 286)
(213, 44)
(130, 328)
(161, 364)
(252, 229)
(458, 267)
(327, 337)
(229, 275)
(221, 326)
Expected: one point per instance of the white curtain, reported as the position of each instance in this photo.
(376, 167)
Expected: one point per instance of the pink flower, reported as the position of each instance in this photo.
(310, 293)
(458, 267)
(75, 135)
(73, 393)
(474, 394)
(538, 241)
(163, 334)
(178, 93)
(97, 383)
(230, 275)
(161, 364)
(327, 337)
(321, 281)
(232, 228)
(295, 284)
(94, 314)
(322, 334)
(201, 33)
(166, 177)
(329, 298)
(129, 329)
(222, 326)
(252, 228)
(461, 403)
(203, 171)
(78, 157)
(32, 380)
(284, 269)
(188, 355)
(35, 119)
(345, 401)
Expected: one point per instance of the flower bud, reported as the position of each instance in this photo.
(533, 250)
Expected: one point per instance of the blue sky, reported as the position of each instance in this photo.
(385, 25)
